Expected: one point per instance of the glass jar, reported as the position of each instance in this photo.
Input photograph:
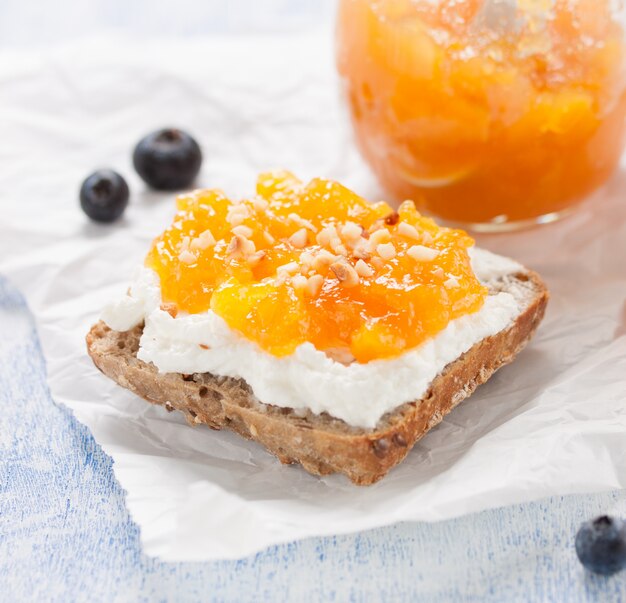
(493, 114)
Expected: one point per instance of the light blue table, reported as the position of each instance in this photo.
(65, 534)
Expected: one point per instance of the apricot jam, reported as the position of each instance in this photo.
(485, 112)
(316, 263)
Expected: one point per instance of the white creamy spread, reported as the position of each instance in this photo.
(360, 394)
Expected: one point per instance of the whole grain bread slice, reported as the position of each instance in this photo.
(320, 443)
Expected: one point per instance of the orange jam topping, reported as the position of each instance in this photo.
(316, 263)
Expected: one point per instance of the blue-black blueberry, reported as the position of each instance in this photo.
(104, 195)
(601, 545)
(168, 159)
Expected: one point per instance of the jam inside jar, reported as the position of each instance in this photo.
(493, 114)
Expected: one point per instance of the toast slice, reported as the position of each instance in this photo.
(320, 443)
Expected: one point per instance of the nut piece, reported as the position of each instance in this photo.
(351, 231)
(314, 285)
(289, 268)
(345, 273)
(378, 237)
(243, 230)
(171, 308)
(323, 259)
(237, 214)
(360, 250)
(451, 283)
(362, 269)
(420, 253)
(299, 238)
(299, 282)
(328, 236)
(255, 258)
(186, 257)
(427, 238)
(408, 230)
(203, 240)
(260, 204)
(408, 205)
(240, 246)
(386, 251)
(300, 221)
(340, 249)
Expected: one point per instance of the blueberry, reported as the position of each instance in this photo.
(104, 196)
(167, 159)
(601, 545)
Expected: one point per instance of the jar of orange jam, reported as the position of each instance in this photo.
(494, 114)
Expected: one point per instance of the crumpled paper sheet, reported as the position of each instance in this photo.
(554, 422)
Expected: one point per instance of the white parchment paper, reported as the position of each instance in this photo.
(552, 423)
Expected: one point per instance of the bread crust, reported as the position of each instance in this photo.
(320, 443)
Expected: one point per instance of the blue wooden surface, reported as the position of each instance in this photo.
(65, 534)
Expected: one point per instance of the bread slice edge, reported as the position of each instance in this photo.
(320, 443)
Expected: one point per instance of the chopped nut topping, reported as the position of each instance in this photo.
(314, 284)
(342, 355)
(387, 251)
(244, 231)
(451, 282)
(351, 231)
(407, 206)
(256, 257)
(171, 308)
(408, 230)
(203, 240)
(307, 259)
(360, 250)
(378, 237)
(186, 257)
(348, 252)
(327, 235)
(299, 238)
(340, 250)
(260, 204)
(427, 238)
(420, 253)
(237, 214)
(345, 273)
(240, 246)
(299, 282)
(300, 221)
(290, 268)
(323, 259)
(376, 226)
(362, 269)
